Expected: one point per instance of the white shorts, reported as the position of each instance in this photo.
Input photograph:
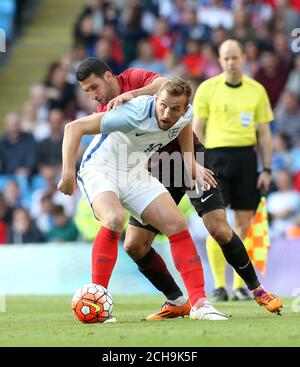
(135, 191)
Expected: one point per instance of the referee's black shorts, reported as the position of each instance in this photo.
(237, 175)
(203, 203)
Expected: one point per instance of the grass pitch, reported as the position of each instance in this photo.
(38, 321)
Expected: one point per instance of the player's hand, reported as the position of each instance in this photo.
(205, 175)
(264, 181)
(118, 101)
(67, 185)
(209, 177)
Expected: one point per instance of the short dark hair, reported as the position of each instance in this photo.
(89, 66)
(176, 87)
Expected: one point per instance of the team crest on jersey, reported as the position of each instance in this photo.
(246, 118)
(174, 132)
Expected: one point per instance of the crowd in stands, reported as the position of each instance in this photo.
(14, 15)
(173, 38)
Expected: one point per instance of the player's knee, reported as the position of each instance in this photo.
(135, 250)
(175, 225)
(220, 232)
(114, 220)
(136, 246)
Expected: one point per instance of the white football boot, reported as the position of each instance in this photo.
(207, 312)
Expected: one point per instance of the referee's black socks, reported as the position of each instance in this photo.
(236, 255)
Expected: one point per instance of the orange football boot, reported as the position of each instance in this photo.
(269, 301)
(170, 311)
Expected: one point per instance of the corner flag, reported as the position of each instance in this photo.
(257, 241)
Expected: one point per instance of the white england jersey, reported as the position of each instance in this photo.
(130, 134)
(116, 160)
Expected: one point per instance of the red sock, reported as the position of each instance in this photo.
(104, 255)
(188, 263)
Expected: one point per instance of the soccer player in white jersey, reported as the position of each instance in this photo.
(142, 125)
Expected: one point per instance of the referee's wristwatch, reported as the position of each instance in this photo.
(268, 170)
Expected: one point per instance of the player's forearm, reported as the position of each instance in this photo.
(266, 145)
(70, 146)
(199, 129)
(151, 88)
(185, 140)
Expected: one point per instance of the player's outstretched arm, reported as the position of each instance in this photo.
(74, 131)
(151, 88)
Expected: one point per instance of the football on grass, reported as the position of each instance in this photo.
(92, 303)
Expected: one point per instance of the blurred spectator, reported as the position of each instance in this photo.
(146, 60)
(261, 12)
(67, 62)
(173, 11)
(104, 52)
(216, 14)
(39, 98)
(23, 229)
(283, 205)
(79, 53)
(251, 65)
(263, 36)
(293, 83)
(272, 75)
(49, 149)
(218, 36)
(44, 220)
(12, 195)
(288, 117)
(193, 59)
(162, 39)
(282, 49)
(131, 31)
(85, 34)
(192, 28)
(288, 14)
(91, 21)
(17, 148)
(243, 29)
(30, 122)
(210, 65)
(281, 158)
(60, 93)
(173, 66)
(64, 229)
(110, 33)
(49, 176)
